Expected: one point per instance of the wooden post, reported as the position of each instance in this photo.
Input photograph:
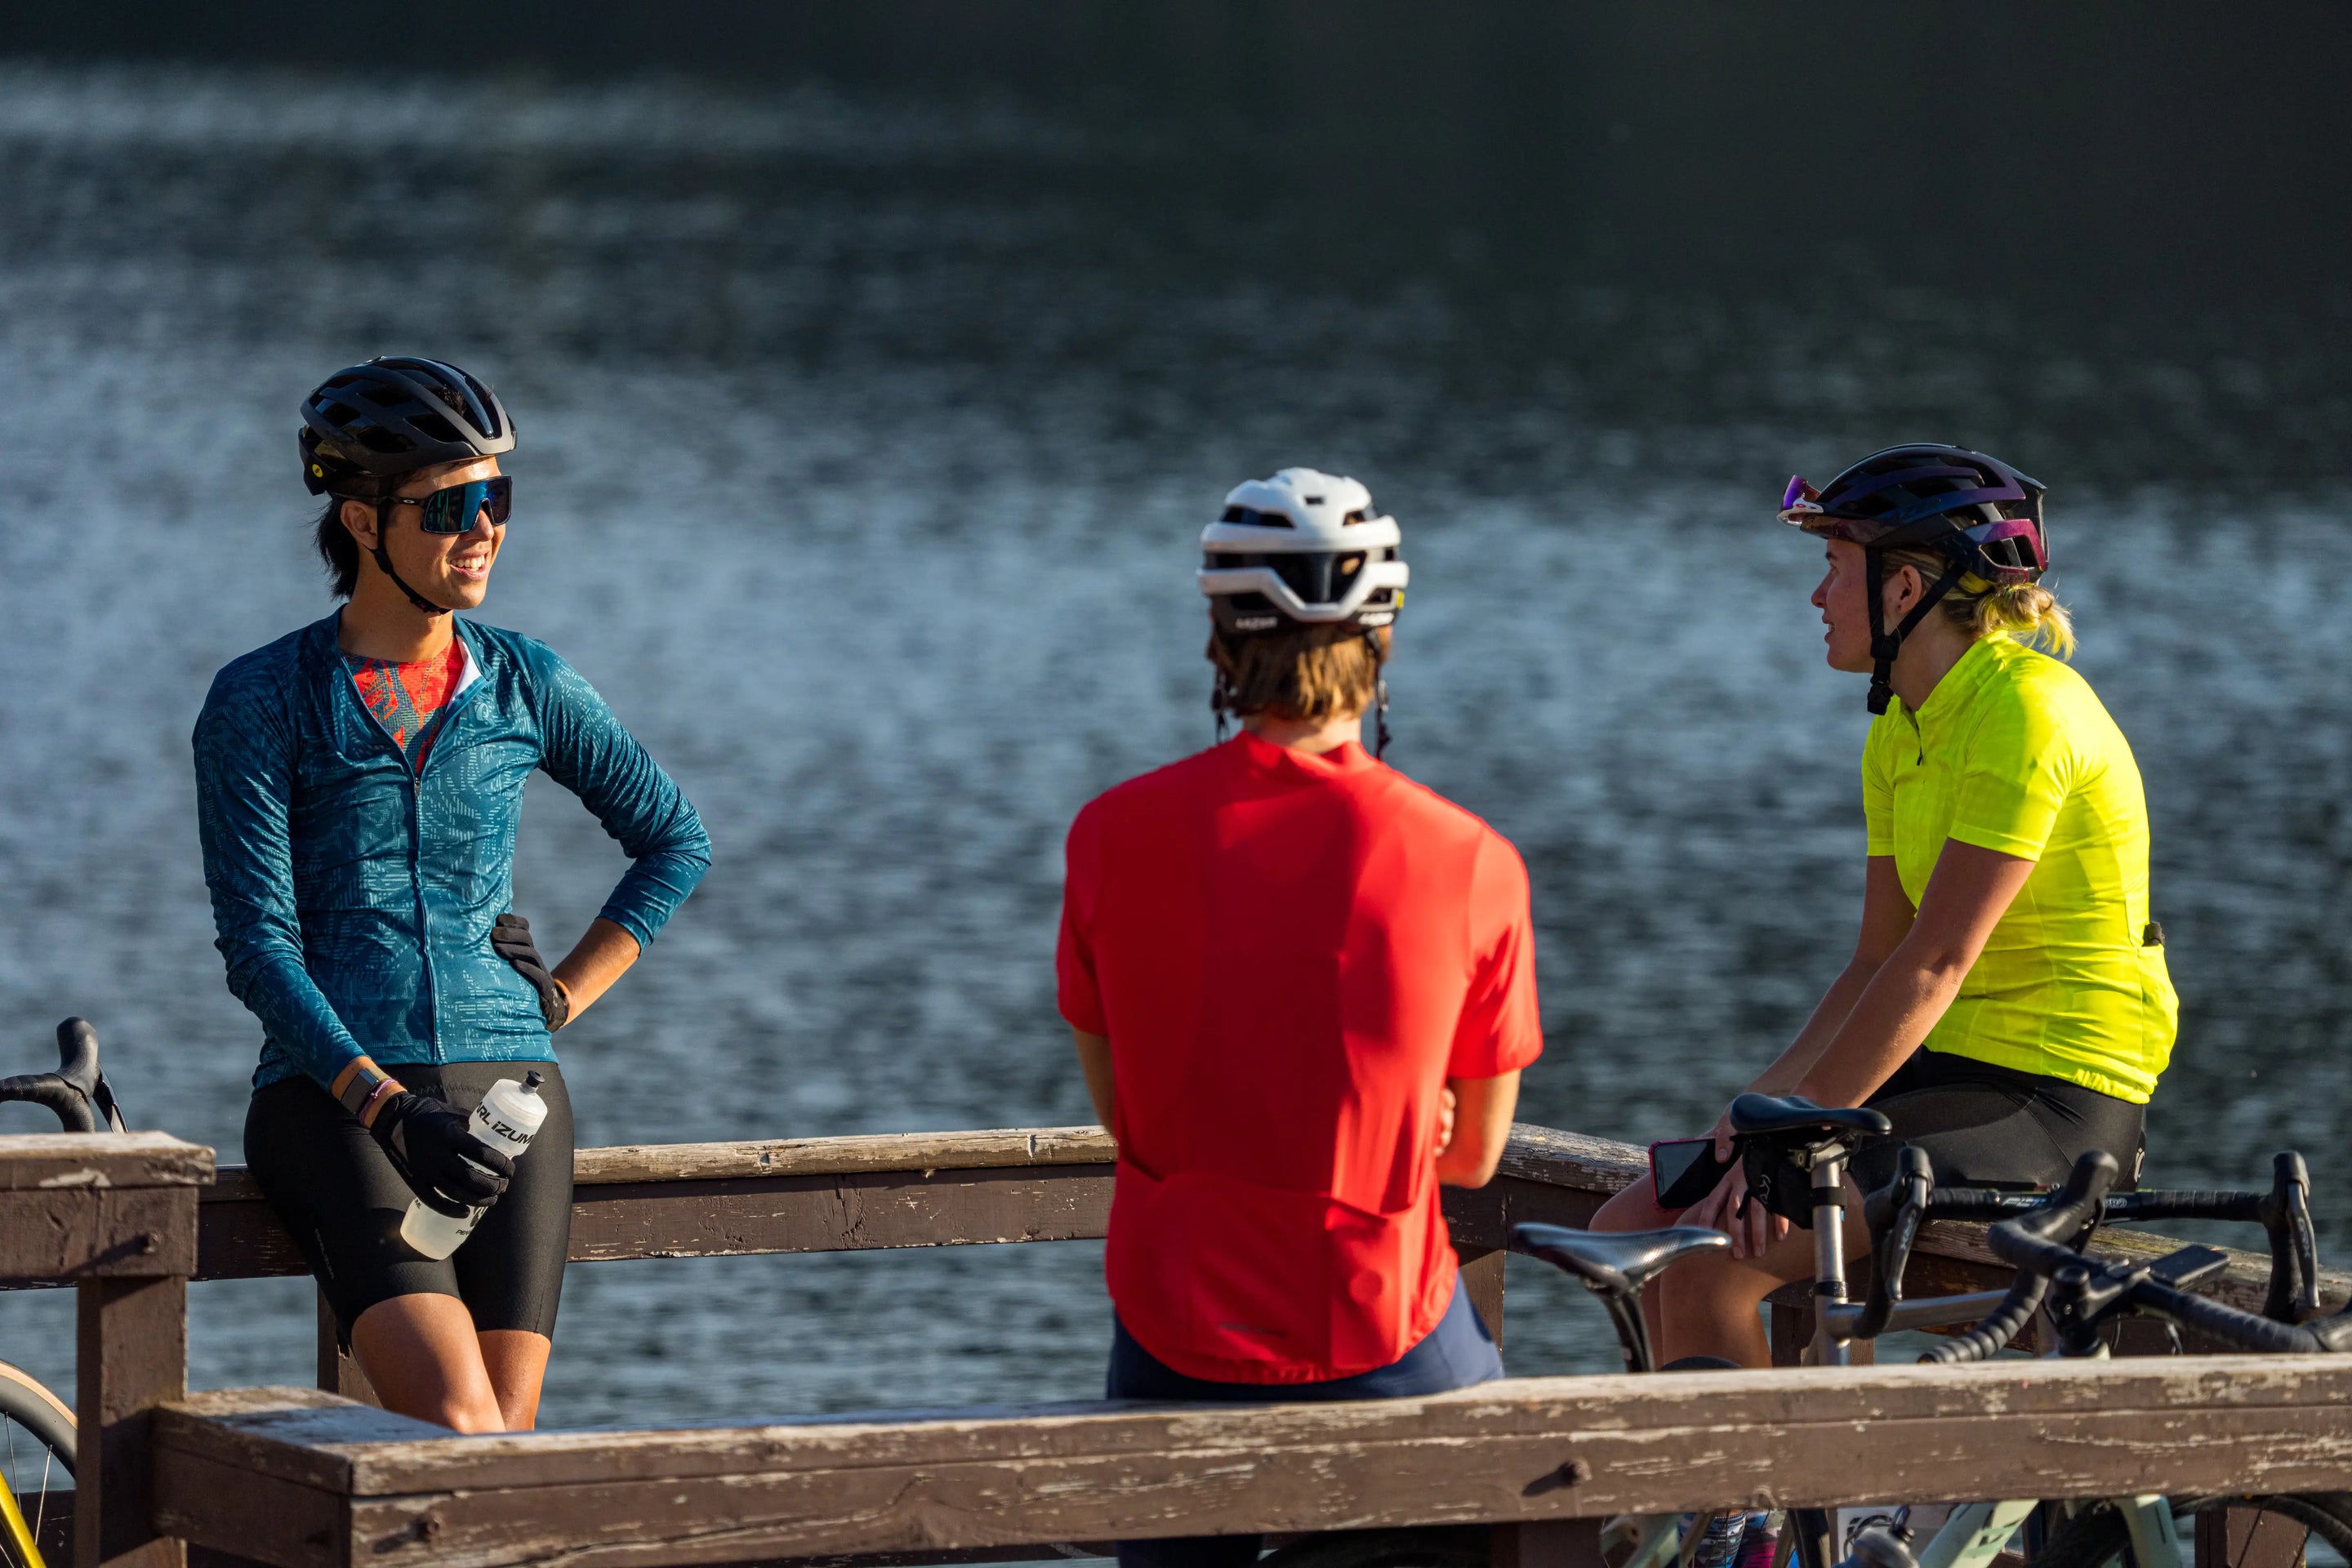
(131, 1356)
(114, 1215)
(1482, 1278)
(1791, 1330)
(339, 1371)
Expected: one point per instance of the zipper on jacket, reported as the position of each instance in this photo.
(445, 729)
(413, 775)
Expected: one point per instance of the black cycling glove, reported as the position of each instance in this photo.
(437, 1154)
(510, 940)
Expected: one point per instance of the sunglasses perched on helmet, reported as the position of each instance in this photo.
(1800, 500)
(453, 510)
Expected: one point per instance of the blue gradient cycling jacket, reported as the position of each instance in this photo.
(354, 897)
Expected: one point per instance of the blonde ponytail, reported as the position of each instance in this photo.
(2026, 611)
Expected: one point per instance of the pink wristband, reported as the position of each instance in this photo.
(370, 1100)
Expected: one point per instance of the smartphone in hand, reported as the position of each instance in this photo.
(1685, 1169)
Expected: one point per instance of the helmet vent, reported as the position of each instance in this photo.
(1313, 500)
(433, 424)
(341, 412)
(1251, 517)
(385, 396)
(376, 438)
(1360, 514)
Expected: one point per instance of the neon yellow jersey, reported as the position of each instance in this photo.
(2013, 752)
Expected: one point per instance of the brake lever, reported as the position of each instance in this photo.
(2293, 1293)
(1893, 1214)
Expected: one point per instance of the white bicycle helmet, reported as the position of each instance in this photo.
(1302, 546)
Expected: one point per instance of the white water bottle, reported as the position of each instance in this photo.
(508, 1118)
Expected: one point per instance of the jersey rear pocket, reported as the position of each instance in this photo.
(1208, 1267)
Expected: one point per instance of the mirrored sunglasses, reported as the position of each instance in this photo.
(453, 510)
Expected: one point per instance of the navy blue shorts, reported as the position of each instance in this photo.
(1457, 1354)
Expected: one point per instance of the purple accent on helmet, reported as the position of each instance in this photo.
(1798, 490)
(1986, 534)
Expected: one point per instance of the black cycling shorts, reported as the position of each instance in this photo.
(1993, 1126)
(338, 1195)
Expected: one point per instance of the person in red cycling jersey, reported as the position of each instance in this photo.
(1302, 988)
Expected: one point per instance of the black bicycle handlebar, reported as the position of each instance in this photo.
(1998, 1328)
(1895, 1211)
(2218, 1319)
(77, 1093)
(2084, 1294)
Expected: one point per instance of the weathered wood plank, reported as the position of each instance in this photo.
(1525, 1450)
(67, 1234)
(240, 1236)
(50, 1161)
(994, 1148)
(266, 1519)
(390, 1454)
(839, 1213)
(1560, 1159)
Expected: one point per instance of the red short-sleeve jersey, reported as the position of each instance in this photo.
(1289, 954)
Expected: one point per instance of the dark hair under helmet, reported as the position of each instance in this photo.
(1982, 515)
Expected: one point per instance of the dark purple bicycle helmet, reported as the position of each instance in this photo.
(367, 425)
(1982, 515)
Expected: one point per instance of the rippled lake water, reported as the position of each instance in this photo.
(860, 471)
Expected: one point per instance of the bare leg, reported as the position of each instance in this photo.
(423, 1357)
(1636, 1208)
(516, 1360)
(1711, 1302)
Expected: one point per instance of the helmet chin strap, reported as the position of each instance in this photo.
(1379, 697)
(383, 564)
(1885, 645)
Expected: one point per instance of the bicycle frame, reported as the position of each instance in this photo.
(1975, 1534)
(20, 1532)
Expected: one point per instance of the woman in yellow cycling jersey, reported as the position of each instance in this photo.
(2007, 1004)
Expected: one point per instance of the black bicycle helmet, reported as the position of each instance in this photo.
(1982, 515)
(369, 425)
(366, 425)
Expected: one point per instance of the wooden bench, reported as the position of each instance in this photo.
(304, 1480)
(128, 1221)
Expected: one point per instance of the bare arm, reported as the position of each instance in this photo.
(1904, 972)
(601, 957)
(1966, 898)
(1481, 1125)
(1094, 1059)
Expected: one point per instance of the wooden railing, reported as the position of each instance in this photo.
(308, 1479)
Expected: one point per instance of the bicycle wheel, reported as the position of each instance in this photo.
(1437, 1547)
(2098, 1535)
(37, 1461)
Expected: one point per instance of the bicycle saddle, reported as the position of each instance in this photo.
(1795, 1119)
(1615, 1260)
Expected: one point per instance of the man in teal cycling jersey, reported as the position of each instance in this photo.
(359, 784)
